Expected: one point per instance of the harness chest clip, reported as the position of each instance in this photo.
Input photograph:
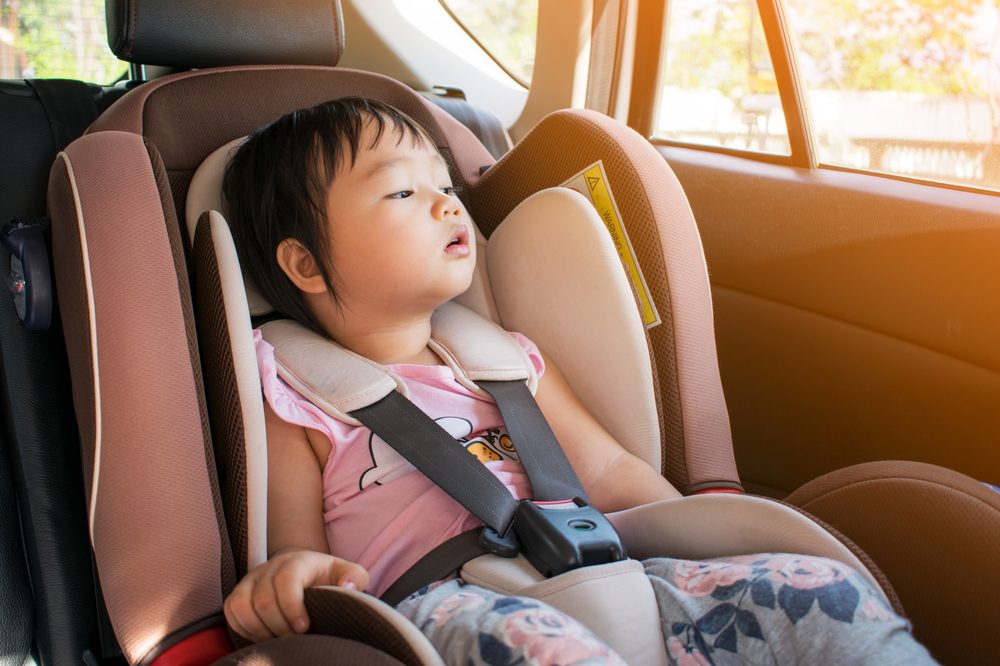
(559, 536)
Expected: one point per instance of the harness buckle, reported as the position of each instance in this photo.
(559, 536)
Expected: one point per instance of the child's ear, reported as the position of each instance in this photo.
(300, 266)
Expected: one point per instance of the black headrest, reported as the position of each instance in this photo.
(218, 33)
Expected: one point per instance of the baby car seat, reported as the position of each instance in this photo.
(175, 504)
(553, 243)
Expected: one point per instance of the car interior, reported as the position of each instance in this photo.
(821, 376)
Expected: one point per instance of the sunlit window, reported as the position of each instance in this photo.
(717, 85)
(909, 87)
(56, 39)
(504, 28)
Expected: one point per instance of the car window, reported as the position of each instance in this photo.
(717, 85)
(908, 87)
(505, 29)
(56, 39)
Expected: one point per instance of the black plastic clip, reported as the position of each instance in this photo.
(30, 277)
(559, 536)
(556, 536)
(504, 546)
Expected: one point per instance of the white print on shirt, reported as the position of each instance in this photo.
(387, 464)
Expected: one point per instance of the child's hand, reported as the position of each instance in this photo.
(268, 601)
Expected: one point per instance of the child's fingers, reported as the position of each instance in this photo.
(289, 578)
(265, 603)
(269, 601)
(235, 622)
(290, 582)
(349, 575)
(240, 614)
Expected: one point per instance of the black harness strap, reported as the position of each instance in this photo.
(551, 475)
(438, 564)
(429, 448)
(433, 451)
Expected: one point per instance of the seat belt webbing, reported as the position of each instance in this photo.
(551, 475)
(429, 448)
(69, 105)
(433, 451)
(436, 565)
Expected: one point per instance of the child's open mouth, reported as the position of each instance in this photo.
(459, 243)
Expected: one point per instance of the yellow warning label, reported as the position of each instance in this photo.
(592, 182)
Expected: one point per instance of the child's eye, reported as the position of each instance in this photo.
(402, 194)
(451, 190)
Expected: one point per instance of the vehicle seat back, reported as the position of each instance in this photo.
(39, 118)
(16, 606)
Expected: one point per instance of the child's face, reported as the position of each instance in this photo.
(400, 240)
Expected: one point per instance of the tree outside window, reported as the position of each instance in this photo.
(504, 28)
(56, 39)
(906, 87)
(910, 87)
(718, 84)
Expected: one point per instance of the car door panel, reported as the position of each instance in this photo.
(854, 316)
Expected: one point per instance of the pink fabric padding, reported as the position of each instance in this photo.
(154, 531)
(663, 232)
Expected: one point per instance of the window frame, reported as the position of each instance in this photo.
(514, 77)
(791, 91)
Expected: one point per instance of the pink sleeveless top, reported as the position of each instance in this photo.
(379, 511)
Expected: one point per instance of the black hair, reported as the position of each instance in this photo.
(276, 184)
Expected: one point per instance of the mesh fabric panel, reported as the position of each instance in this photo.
(180, 182)
(155, 534)
(340, 615)
(873, 568)
(223, 397)
(230, 575)
(917, 521)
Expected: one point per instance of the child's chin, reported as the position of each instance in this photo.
(452, 293)
(464, 284)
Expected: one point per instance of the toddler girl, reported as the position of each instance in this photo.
(346, 218)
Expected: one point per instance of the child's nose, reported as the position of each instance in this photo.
(446, 206)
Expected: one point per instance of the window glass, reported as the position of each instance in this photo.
(717, 83)
(910, 87)
(56, 39)
(504, 28)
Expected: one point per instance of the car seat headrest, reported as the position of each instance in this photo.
(205, 194)
(190, 33)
